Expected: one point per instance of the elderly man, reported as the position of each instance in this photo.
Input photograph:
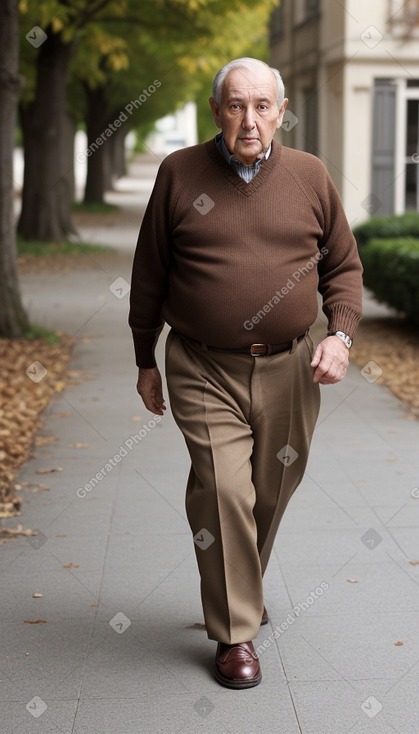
(239, 235)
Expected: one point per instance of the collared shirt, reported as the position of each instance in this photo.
(247, 173)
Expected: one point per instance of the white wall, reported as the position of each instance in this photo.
(358, 131)
(174, 131)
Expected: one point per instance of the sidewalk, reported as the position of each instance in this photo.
(122, 649)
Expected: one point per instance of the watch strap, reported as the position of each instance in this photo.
(344, 337)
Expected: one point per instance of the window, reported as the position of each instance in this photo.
(312, 7)
(277, 25)
(310, 120)
(412, 157)
(305, 10)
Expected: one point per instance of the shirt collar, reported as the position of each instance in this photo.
(231, 159)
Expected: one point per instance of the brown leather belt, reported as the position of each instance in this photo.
(255, 350)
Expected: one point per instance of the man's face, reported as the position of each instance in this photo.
(248, 114)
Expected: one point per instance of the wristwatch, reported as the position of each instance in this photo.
(345, 338)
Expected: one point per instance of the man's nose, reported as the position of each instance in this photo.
(248, 121)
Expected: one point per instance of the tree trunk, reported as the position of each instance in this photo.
(97, 124)
(13, 319)
(118, 159)
(46, 196)
(108, 175)
(114, 158)
(68, 151)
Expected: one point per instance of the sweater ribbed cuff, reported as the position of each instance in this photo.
(343, 318)
(144, 346)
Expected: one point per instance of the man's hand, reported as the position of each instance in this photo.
(330, 361)
(149, 386)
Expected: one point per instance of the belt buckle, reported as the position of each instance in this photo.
(259, 350)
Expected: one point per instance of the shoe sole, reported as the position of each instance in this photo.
(238, 685)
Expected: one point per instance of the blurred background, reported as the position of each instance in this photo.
(136, 77)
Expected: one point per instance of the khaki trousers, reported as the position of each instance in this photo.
(248, 423)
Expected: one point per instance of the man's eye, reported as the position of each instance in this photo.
(235, 106)
(263, 107)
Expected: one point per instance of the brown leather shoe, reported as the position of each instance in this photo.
(237, 666)
(265, 617)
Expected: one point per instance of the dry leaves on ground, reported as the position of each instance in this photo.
(7, 534)
(22, 399)
(35, 621)
(62, 263)
(50, 470)
(394, 347)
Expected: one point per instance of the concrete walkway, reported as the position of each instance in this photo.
(123, 649)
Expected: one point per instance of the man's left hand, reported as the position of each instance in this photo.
(330, 361)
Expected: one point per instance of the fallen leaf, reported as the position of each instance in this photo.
(35, 621)
(71, 565)
(40, 488)
(59, 535)
(352, 581)
(17, 531)
(399, 644)
(59, 386)
(10, 507)
(196, 625)
(92, 605)
(79, 445)
(45, 440)
(37, 595)
(414, 563)
(49, 471)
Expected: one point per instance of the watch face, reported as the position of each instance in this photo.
(345, 338)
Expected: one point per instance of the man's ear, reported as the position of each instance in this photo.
(215, 111)
(281, 113)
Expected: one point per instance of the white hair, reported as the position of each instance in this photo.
(245, 63)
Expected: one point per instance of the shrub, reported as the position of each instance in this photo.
(391, 271)
(406, 225)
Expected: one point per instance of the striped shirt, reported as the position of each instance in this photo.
(247, 173)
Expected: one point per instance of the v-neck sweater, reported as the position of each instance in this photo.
(230, 263)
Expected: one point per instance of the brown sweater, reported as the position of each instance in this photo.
(231, 263)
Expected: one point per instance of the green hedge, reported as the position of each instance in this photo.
(406, 225)
(391, 272)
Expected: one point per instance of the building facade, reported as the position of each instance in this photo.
(351, 73)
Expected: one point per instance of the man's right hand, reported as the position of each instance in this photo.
(149, 386)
